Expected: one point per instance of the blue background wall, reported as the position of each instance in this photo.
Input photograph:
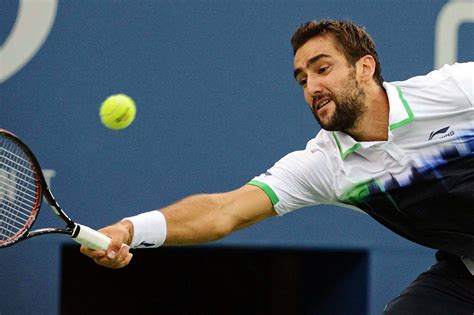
(217, 105)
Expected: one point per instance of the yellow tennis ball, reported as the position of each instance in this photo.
(117, 111)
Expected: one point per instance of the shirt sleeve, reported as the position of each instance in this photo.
(301, 178)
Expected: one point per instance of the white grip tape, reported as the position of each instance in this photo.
(91, 238)
(149, 229)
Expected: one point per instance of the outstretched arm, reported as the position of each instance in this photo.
(195, 219)
(203, 218)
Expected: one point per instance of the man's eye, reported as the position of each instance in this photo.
(302, 82)
(322, 70)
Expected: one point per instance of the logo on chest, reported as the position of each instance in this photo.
(441, 133)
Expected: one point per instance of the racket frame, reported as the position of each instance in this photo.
(43, 190)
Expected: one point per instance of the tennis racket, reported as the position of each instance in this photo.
(22, 188)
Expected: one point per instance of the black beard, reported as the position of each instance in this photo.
(349, 107)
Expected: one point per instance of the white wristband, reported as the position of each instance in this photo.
(149, 229)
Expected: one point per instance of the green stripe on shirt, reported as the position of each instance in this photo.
(270, 193)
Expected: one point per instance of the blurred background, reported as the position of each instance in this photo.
(216, 105)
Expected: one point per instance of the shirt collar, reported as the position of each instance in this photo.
(400, 114)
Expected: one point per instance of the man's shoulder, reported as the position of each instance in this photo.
(450, 85)
(456, 70)
(324, 143)
(323, 138)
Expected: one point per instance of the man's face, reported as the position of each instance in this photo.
(329, 83)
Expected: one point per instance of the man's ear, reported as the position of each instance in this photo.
(366, 68)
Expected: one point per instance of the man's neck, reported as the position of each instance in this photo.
(373, 126)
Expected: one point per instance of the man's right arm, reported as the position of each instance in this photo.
(192, 220)
(203, 218)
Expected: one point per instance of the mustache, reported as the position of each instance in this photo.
(318, 97)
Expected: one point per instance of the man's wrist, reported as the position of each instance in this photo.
(128, 226)
(148, 229)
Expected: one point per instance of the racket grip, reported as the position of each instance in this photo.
(90, 238)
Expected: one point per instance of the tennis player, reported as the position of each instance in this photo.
(402, 152)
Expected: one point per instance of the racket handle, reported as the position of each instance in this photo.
(90, 238)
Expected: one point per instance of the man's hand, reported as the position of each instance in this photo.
(117, 255)
(192, 220)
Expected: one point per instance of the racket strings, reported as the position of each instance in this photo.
(19, 190)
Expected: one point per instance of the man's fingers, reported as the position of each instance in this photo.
(123, 257)
(120, 259)
(117, 254)
(115, 248)
(92, 253)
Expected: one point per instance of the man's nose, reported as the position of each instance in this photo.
(313, 86)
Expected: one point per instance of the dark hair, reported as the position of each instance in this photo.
(352, 40)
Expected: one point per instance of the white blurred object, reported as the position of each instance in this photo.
(32, 26)
(450, 18)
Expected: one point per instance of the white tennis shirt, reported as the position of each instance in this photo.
(419, 183)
